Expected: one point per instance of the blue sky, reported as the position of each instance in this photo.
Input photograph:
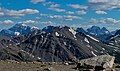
(74, 13)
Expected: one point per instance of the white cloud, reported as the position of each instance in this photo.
(41, 14)
(37, 1)
(17, 13)
(48, 3)
(7, 22)
(57, 9)
(105, 21)
(82, 12)
(77, 6)
(65, 17)
(54, 5)
(21, 12)
(47, 22)
(1, 13)
(69, 12)
(112, 20)
(105, 4)
(29, 22)
(100, 12)
(56, 17)
(98, 1)
(70, 17)
(61, 17)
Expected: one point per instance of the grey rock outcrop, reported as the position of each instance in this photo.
(103, 62)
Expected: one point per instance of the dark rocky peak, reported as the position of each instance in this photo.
(117, 32)
(49, 29)
(21, 29)
(81, 30)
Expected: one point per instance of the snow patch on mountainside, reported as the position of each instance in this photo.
(86, 40)
(93, 38)
(93, 53)
(73, 32)
(65, 43)
(39, 58)
(114, 37)
(17, 33)
(34, 27)
(106, 32)
(57, 34)
(103, 48)
(24, 25)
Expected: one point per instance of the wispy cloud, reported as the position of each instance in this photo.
(105, 4)
(105, 21)
(37, 1)
(81, 12)
(61, 17)
(77, 6)
(47, 23)
(57, 9)
(71, 17)
(56, 17)
(29, 22)
(100, 12)
(70, 12)
(98, 1)
(21, 12)
(54, 5)
(7, 22)
(79, 9)
(1, 13)
(17, 13)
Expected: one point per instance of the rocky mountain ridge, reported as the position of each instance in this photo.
(54, 44)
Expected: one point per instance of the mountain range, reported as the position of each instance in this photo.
(57, 44)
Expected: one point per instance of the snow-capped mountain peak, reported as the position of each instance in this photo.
(34, 27)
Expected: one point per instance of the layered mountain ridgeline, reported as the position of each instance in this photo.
(57, 44)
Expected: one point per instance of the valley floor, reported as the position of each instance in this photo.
(37, 66)
(34, 66)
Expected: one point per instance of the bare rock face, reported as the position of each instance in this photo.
(103, 62)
